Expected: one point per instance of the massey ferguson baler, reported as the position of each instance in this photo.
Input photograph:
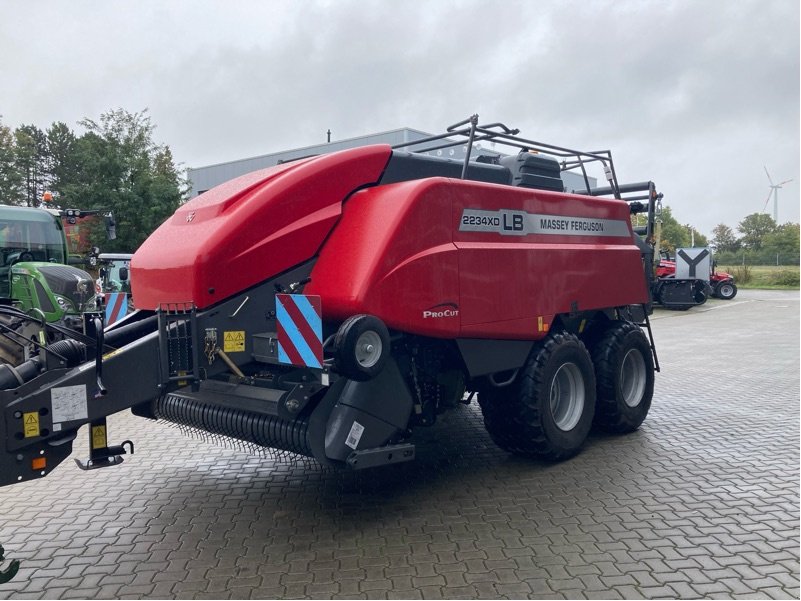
(329, 306)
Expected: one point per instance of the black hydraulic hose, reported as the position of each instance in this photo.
(126, 334)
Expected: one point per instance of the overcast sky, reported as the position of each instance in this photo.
(696, 95)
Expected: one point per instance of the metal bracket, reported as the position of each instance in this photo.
(397, 453)
(110, 456)
(178, 336)
(100, 454)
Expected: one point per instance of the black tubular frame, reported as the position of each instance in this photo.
(498, 132)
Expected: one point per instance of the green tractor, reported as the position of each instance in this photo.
(38, 286)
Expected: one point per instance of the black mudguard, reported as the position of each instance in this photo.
(368, 414)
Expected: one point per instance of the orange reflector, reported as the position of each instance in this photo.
(39, 463)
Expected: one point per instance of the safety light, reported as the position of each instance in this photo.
(38, 463)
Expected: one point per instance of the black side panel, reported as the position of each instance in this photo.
(406, 166)
(368, 414)
(483, 357)
(675, 292)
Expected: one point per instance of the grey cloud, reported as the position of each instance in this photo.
(695, 95)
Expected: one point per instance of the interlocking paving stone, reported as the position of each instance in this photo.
(702, 501)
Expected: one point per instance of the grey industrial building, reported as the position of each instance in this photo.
(204, 178)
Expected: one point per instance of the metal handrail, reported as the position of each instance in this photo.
(500, 133)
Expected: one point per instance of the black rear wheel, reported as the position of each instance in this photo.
(726, 290)
(547, 411)
(624, 368)
(361, 347)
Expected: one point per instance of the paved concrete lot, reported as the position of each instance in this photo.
(702, 501)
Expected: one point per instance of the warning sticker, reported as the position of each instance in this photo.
(69, 403)
(99, 437)
(30, 422)
(355, 435)
(234, 341)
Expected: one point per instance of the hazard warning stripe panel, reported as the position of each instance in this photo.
(116, 306)
(300, 330)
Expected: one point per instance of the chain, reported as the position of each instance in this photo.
(210, 345)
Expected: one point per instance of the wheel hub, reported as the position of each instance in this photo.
(368, 348)
(632, 378)
(567, 396)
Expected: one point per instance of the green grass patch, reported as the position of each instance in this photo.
(783, 277)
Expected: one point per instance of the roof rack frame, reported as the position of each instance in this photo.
(498, 132)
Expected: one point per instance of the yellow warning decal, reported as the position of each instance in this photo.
(539, 323)
(582, 325)
(234, 341)
(30, 422)
(99, 437)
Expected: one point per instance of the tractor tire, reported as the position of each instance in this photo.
(726, 290)
(624, 370)
(547, 411)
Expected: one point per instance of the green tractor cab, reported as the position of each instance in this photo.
(36, 279)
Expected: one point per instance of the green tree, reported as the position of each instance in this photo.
(61, 165)
(696, 238)
(674, 234)
(31, 162)
(724, 239)
(119, 167)
(10, 179)
(784, 243)
(754, 228)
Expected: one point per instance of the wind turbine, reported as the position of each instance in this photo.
(774, 190)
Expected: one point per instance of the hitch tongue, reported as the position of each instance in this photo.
(100, 454)
(9, 572)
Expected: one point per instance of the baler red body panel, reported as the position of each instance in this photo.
(398, 253)
(249, 229)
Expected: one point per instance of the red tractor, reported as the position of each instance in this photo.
(332, 305)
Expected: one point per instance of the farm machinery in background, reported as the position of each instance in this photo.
(330, 306)
(44, 295)
(113, 285)
(697, 264)
(689, 278)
